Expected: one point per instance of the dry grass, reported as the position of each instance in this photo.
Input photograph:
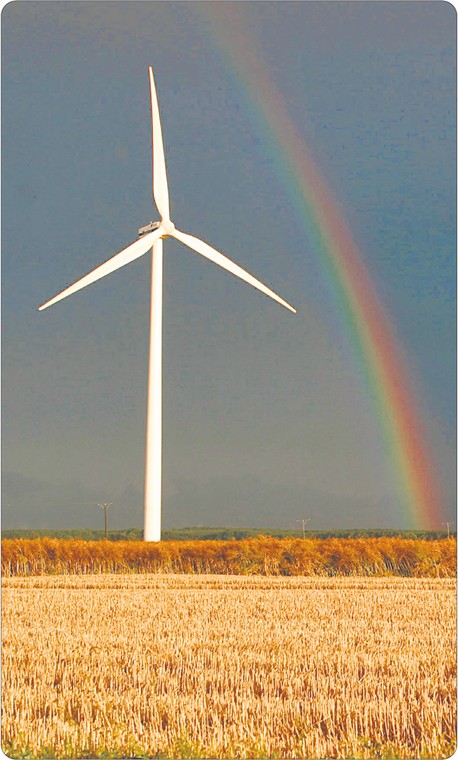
(210, 666)
(263, 555)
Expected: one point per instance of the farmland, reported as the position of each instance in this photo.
(213, 666)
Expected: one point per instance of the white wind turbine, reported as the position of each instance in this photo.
(151, 236)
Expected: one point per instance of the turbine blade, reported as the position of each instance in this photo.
(218, 258)
(132, 252)
(160, 189)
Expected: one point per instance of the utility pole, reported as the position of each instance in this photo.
(304, 521)
(448, 524)
(105, 506)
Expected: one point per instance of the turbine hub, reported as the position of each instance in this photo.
(167, 226)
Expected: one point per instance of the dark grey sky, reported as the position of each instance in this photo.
(267, 417)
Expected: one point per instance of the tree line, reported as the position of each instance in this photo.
(224, 534)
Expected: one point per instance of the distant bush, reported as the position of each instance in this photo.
(223, 534)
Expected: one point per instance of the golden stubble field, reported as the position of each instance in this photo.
(228, 666)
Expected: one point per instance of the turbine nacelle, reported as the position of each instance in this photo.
(149, 228)
(166, 226)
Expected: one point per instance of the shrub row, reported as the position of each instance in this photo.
(263, 555)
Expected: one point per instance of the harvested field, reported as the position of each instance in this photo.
(228, 666)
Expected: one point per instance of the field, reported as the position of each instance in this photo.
(137, 665)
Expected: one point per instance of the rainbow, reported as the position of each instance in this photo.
(359, 304)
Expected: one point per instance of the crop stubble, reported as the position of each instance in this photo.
(228, 666)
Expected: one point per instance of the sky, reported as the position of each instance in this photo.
(269, 417)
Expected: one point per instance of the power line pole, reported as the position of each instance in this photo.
(304, 521)
(105, 506)
(448, 524)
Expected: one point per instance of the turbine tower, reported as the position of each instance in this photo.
(151, 237)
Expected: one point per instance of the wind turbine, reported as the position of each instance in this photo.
(152, 236)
